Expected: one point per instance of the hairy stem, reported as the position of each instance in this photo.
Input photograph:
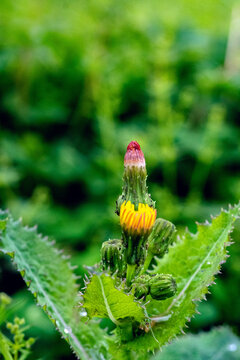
(147, 263)
(130, 273)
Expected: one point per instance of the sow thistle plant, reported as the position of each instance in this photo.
(147, 283)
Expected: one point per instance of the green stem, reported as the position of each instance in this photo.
(147, 263)
(4, 348)
(130, 273)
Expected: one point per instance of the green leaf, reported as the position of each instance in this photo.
(51, 280)
(220, 344)
(111, 303)
(193, 261)
(3, 224)
(4, 347)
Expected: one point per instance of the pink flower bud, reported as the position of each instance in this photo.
(134, 156)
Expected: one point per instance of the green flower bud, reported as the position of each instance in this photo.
(9, 326)
(18, 338)
(19, 321)
(141, 286)
(161, 237)
(162, 286)
(4, 299)
(112, 253)
(30, 342)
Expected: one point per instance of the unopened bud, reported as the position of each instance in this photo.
(141, 286)
(134, 156)
(112, 252)
(4, 299)
(30, 342)
(161, 237)
(134, 178)
(162, 286)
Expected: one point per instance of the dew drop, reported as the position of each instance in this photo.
(66, 331)
(232, 347)
(83, 313)
(209, 263)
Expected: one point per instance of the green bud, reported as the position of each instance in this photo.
(19, 321)
(14, 328)
(112, 254)
(161, 237)
(162, 286)
(9, 326)
(30, 342)
(4, 299)
(141, 286)
(18, 338)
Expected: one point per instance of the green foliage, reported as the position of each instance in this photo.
(50, 279)
(15, 347)
(193, 261)
(111, 302)
(72, 96)
(19, 348)
(220, 344)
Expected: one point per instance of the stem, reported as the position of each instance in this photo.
(130, 273)
(4, 349)
(147, 262)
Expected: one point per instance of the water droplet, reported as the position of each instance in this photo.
(83, 313)
(232, 347)
(66, 331)
(209, 263)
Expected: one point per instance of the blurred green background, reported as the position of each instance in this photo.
(78, 81)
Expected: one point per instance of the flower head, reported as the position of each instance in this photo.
(134, 155)
(137, 222)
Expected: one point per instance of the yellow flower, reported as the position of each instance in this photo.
(137, 222)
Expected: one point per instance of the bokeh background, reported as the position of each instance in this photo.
(78, 81)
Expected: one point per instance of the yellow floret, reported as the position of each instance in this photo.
(137, 221)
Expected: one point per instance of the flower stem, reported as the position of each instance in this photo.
(147, 263)
(4, 348)
(130, 273)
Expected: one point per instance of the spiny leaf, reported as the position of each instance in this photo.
(193, 261)
(51, 280)
(220, 344)
(102, 299)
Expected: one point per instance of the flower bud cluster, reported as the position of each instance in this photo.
(143, 236)
(159, 286)
(19, 343)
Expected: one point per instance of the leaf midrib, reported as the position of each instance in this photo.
(110, 314)
(82, 351)
(175, 300)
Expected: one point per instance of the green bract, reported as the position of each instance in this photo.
(162, 286)
(112, 256)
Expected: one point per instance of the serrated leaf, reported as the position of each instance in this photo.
(51, 280)
(193, 261)
(3, 224)
(220, 344)
(111, 303)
